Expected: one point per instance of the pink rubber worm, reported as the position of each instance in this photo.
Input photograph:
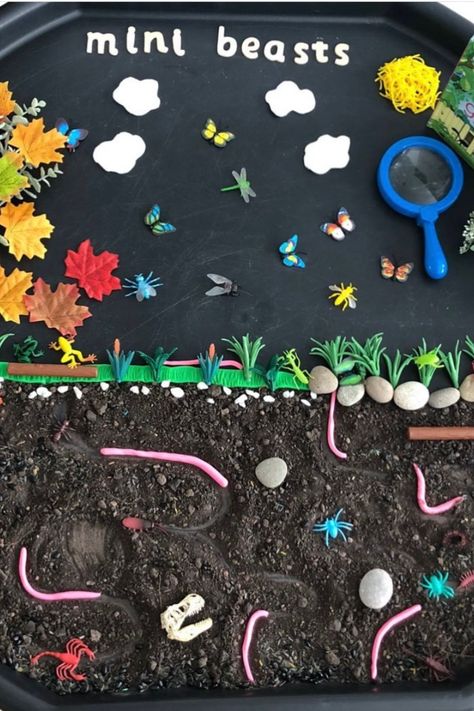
(384, 629)
(249, 630)
(169, 457)
(331, 427)
(194, 361)
(50, 597)
(420, 495)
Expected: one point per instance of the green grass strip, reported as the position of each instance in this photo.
(181, 374)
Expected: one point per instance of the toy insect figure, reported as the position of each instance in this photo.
(142, 287)
(293, 364)
(152, 220)
(218, 138)
(74, 135)
(62, 428)
(345, 224)
(226, 286)
(390, 271)
(333, 528)
(66, 671)
(437, 585)
(344, 296)
(71, 356)
(27, 350)
(430, 359)
(287, 250)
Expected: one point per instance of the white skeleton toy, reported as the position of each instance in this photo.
(174, 616)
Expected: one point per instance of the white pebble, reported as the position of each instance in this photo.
(305, 402)
(227, 390)
(268, 398)
(32, 395)
(77, 392)
(63, 389)
(210, 400)
(241, 400)
(43, 392)
(2, 380)
(135, 390)
(104, 386)
(177, 392)
(145, 390)
(288, 393)
(165, 384)
(376, 589)
(202, 386)
(313, 396)
(253, 393)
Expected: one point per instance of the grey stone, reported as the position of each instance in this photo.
(411, 395)
(467, 388)
(271, 472)
(379, 389)
(376, 589)
(95, 635)
(348, 395)
(322, 381)
(444, 398)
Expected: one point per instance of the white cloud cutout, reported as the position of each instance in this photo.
(137, 96)
(120, 154)
(288, 97)
(326, 153)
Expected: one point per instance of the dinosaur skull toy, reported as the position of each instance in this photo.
(174, 616)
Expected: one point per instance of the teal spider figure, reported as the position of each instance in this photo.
(333, 528)
(437, 585)
(142, 287)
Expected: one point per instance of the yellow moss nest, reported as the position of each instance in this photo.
(409, 83)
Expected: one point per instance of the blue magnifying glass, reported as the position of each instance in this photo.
(421, 177)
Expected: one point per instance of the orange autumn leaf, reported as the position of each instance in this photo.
(58, 309)
(12, 293)
(37, 145)
(6, 102)
(24, 230)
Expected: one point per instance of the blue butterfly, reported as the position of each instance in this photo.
(288, 248)
(74, 135)
(152, 220)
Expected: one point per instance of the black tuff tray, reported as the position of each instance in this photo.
(42, 53)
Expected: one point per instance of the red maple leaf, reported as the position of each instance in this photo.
(58, 309)
(93, 271)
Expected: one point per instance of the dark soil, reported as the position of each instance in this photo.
(242, 548)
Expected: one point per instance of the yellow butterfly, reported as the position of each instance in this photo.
(220, 138)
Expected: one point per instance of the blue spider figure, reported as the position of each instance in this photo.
(143, 287)
(333, 527)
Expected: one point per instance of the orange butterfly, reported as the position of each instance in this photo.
(390, 271)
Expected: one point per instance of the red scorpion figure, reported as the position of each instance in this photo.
(66, 671)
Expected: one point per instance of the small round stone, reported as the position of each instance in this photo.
(271, 472)
(376, 589)
(348, 395)
(467, 388)
(411, 395)
(322, 381)
(444, 398)
(379, 389)
(177, 392)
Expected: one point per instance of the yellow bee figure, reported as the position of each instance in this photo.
(343, 296)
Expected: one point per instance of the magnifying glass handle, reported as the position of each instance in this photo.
(436, 265)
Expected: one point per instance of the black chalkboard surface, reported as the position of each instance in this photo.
(218, 232)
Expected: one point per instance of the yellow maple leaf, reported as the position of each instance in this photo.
(37, 145)
(12, 290)
(24, 231)
(6, 102)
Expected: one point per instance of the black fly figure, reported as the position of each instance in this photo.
(226, 286)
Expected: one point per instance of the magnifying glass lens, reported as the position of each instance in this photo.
(420, 176)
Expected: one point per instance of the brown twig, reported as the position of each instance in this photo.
(53, 371)
(440, 433)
